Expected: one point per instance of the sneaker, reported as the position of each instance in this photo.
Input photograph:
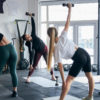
(88, 98)
(14, 94)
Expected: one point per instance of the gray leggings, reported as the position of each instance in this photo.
(8, 56)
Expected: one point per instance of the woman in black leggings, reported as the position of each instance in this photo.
(8, 56)
(34, 43)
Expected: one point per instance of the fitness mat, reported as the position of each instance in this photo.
(5, 94)
(43, 82)
(68, 97)
(85, 81)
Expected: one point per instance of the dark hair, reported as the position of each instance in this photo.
(49, 31)
(1, 36)
(23, 37)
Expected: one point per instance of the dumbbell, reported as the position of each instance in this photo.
(56, 81)
(66, 5)
(28, 14)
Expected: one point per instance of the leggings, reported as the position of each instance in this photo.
(8, 56)
(37, 57)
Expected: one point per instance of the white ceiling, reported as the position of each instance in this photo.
(73, 1)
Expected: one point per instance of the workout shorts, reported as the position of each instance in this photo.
(81, 60)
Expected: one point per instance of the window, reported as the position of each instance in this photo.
(79, 12)
(57, 13)
(85, 12)
(44, 33)
(86, 39)
(44, 13)
(84, 36)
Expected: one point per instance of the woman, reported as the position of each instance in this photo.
(34, 43)
(69, 50)
(8, 56)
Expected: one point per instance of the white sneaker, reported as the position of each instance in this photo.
(88, 98)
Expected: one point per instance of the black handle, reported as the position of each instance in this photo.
(28, 14)
(64, 4)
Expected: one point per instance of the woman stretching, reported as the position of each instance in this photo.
(8, 56)
(66, 49)
(34, 43)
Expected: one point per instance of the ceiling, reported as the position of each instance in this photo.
(73, 1)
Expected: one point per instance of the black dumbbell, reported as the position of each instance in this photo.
(64, 4)
(56, 81)
(28, 14)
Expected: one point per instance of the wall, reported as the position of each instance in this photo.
(33, 7)
(13, 9)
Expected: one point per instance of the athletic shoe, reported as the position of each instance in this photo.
(88, 98)
(14, 94)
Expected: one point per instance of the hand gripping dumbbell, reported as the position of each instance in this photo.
(28, 14)
(66, 5)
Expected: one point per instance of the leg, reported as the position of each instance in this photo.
(8, 54)
(74, 70)
(66, 88)
(88, 73)
(4, 55)
(13, 73)
(12, 64)
(91, 83)
(36, 60)
(31, 56)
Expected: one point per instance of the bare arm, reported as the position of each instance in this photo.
(68, 17)
(51, 49)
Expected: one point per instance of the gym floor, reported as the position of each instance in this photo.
(33, 91)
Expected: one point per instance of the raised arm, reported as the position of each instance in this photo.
(68, 17)
(33, 27)
(51, 49)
